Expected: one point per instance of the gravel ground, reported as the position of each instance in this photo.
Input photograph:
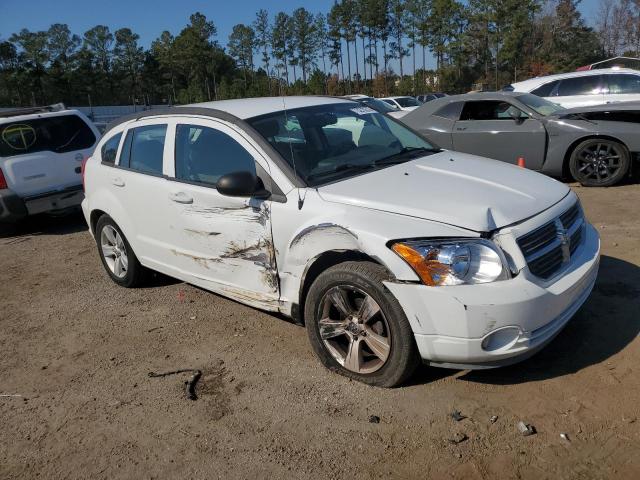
(78, 349)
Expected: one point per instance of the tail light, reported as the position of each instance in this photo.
(3, 181)
(82, 170)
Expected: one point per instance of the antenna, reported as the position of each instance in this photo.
(293, 158)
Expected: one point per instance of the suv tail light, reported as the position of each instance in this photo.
(82, 169)
(3, 181)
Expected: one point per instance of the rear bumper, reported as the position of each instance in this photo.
(491, 325)
(52, 201)
(12, 207)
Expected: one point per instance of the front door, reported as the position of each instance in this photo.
(487, 128)
(219, 242)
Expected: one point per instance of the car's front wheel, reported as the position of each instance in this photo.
(357, 327)
(599, 162)
(116, 254)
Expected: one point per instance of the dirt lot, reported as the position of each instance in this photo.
(78, 349)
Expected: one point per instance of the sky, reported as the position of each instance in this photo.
(148, 18)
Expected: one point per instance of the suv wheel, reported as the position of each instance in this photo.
(117, 256)
(357, 327)
(599, 162)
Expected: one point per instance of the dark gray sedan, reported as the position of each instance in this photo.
(595, 145)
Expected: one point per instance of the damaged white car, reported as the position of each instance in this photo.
(390, 250)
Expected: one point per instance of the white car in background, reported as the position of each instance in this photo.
(377, 104)
(388, 248)
(404, 103)
(41, 155)
(584, 88)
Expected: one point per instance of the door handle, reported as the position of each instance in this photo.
(461, 128)
(118, 182)
(180, 197)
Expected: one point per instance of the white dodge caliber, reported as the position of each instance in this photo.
(389, 249)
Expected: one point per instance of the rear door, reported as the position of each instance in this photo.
(486, 128)
(43, 154)
(220, 242)
(579, 91)
(622, 87)
(139, 183)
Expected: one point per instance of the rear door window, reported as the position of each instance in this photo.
(143, 149)
(205, 154)
(589, 85)
(623, 83)
(58, 134)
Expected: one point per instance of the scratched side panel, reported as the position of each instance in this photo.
(225, 245)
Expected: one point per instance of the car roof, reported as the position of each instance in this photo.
(530, 84)
(253, 107)
(7, 115)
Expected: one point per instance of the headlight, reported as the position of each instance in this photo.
(454, 262)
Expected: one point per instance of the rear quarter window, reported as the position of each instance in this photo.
(58, 134)
(545, 90)
(450, 111)
(110, 149)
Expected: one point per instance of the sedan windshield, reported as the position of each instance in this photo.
(407, 102)
(326, 143)
(540, 105)
(377, 105)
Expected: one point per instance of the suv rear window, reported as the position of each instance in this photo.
(58, 134)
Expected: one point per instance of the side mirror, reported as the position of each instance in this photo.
(517, 115)
(241, 184)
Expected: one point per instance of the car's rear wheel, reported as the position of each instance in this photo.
(599, 162)
(358, 328)
(116, 254)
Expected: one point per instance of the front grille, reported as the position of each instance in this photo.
(549, 247)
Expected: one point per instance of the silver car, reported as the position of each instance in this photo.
(595, 145)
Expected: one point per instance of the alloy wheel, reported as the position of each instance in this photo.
(114, 251)
(599, 161)
(354, 329)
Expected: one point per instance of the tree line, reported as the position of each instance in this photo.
(377, 47)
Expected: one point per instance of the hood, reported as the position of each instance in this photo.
(458, 189)
(606, 107)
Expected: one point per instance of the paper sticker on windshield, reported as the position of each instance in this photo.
(362, 110)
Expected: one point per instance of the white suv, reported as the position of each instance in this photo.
(585, 88)
(41, 155)
(389, 249)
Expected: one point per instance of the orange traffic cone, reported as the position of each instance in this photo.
(521, 162)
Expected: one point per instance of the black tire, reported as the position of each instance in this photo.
(604, 170)
(366, 277)
(136, 274)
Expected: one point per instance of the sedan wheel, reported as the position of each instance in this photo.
(599, 163)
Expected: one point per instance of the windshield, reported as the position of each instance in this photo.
(540, 105)
(377, 105)
(408, 102)
(326, 143)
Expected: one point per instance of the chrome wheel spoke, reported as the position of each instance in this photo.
(353, 358)
(331, 328)
(117, 267)
(108, 251)
(378, 344)
(368, 309)
(338, 298)
(109, 232)
(125, 261)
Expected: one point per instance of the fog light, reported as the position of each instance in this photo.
(499, 339)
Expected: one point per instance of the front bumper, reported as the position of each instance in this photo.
(495, 324)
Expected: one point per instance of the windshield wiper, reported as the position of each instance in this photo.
(404, 155)
(354, 167)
